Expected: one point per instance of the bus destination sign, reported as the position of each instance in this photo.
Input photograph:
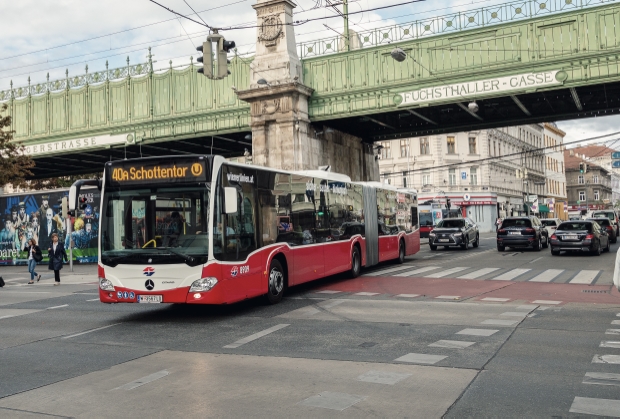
(139, 172)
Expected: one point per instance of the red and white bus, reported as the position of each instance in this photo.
(202, 230)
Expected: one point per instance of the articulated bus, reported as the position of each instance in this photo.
(202, 230)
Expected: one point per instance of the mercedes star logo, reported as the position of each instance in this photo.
(149, 284)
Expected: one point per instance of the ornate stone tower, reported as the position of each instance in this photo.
(282, 136)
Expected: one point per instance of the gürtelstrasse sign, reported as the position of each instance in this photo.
(78, 144)
(519, 82)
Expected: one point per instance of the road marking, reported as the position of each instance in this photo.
(418, 271)
(609, 344)
(612, 332)
(514, 314)
(477, 332)
(309, 311)
(407, 295)
(89, 331)
(537, 259)
(478, 273)
(600, 407)
(584, 277)
(385, 271)
(547, 276)
(510, 275)
(142, 381)
(497, 300)
(447, 272)
(448, 297)
(367, 294)
(421, 358)
(497, 322)
(382, 377)
(52, 308)
(328, 292)
(546, 302)
(451, 344)
(606, 359)
(256, 336)
(602, 378)
(94, 299)
(615, 322)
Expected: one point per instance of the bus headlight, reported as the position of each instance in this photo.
(203, 284)
(106, 284)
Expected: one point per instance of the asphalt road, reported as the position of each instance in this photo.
(450, 333)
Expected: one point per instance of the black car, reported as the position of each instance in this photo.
(454, 232)
(580, 236)
(606, 224)
(522, 232)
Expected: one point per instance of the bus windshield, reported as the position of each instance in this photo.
(155, 225)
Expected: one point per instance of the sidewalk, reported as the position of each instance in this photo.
(19, 275)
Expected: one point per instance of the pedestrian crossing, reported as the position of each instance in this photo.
(583, 277)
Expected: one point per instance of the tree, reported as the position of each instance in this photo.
(14, 164)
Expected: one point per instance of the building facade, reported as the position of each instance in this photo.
(600, 155)
(475, 169)
(555, 199)
(590, 190)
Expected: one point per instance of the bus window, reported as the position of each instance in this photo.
(274, 197)
(303, 209)
(426, 218)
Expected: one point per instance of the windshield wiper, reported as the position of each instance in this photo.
(187, 258)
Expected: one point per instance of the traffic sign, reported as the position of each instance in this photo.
(578, 202)
(615, 155)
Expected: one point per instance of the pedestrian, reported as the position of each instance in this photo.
(34, 256)
(56, 254)
(498, 222)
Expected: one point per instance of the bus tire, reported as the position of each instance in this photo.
(275, 288)
(401, 252)
(356, 263)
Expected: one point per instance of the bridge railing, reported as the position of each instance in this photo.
(475, 18)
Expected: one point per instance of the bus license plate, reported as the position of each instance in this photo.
(150, 298)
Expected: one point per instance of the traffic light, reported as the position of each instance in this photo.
(64, 204)
(83, 203)
(221, 50)
(448, 204)
(581, 168)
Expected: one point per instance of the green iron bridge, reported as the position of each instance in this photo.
(522, 62)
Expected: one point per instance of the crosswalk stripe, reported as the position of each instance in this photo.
(386, 271)
(478, 273)
(510, 275)
(584, 277)
(418, 271)
(447, 272)
(547, 276)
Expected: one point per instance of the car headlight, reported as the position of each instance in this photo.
(106, 284)
(203, 284)
(458, 234)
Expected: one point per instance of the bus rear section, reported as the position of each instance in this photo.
(216, 232)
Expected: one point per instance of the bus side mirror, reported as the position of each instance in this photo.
(230, 200)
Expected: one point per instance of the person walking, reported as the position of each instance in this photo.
(498, 222)
(34, 256)
(56, 254)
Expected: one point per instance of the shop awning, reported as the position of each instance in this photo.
(543, 208)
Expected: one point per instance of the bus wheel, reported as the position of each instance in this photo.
(356, 263)
(401, 252)
(276, 282)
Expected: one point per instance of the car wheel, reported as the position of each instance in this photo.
(615, 240)
(356, 263)
(501, 248)
(433, 247)
(477, 242)
(276, 282)
(401, 252)
(546, 243)
(465, 245)
(608, 248)
(598, 250)
(555, 252)
(538, 245)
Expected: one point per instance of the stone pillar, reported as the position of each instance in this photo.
(282, 136)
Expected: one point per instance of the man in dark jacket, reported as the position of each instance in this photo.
(56, 254)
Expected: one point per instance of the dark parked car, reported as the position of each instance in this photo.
(454, 232)
(581, 236)
(606, 225)
(522, 232)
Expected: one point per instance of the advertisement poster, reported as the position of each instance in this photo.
(38, 215)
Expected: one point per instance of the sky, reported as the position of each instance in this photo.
(41, 37)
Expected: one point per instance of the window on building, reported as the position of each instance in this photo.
(451, 145)
(473, 176)
(472, 145)
(426, 177)
(424, 146)
(582, 195)
(595, 179)
(580, 179)
(452, 177)
(494, 150)
(403, 148)
(597, 195)
(386, 151)
(404, 181)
